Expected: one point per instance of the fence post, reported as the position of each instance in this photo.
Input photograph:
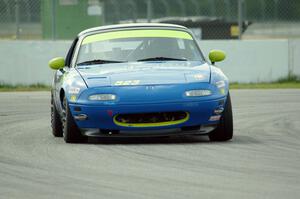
(167, 7)
(133, 5)
(149, 11)
(196, 6)
(276, 10)
(240, 17)
(53, 19)
(181, 4)
(227, 8)
(263, 10)
(212, 8)
(117, 10)
(17, 18)
(103, 13)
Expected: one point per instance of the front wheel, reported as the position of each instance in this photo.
(224, 131)
(71, 132)
(56, 124)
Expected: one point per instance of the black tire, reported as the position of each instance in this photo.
(224, 131)
(56, 125)
(71, 132)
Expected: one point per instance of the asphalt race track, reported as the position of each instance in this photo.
(262, 161)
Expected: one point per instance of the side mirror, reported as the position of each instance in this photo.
(216, 56)
(57, 63)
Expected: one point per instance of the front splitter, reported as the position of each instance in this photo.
(203, 130)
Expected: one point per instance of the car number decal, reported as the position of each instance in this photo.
(127, 83)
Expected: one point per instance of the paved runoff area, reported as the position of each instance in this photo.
(262, 161)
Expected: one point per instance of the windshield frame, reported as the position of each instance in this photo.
(82, 37)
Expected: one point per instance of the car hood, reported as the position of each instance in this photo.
(145, 73)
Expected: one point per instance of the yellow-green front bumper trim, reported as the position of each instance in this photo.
(156, 124)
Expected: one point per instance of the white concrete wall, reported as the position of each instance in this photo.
(252, 61)
(26, 62)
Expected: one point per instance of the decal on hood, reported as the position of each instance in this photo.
(127, 83)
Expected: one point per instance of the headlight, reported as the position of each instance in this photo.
(198, 93)
(103, 97)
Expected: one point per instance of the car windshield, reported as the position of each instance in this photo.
(138, 45)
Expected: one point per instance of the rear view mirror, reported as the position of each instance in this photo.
(216, 56)
(57, 63)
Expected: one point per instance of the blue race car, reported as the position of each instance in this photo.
(139, 80)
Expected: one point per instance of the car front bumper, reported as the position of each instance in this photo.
(99, 118)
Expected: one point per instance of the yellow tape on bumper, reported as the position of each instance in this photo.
(157, 124)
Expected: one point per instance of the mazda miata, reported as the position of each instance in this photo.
(139, 80)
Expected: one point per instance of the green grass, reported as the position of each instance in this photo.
(265, 85)
(292, 81)
(19, 87)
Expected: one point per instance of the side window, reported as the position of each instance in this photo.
(71, 52)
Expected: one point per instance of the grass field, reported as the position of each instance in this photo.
(32, 87)
(265, 85)
(292, 81)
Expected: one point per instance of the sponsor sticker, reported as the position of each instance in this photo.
(199, 77)
(222, 91)
(74, 90)
(73, 98)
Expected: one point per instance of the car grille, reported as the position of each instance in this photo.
(151, 119)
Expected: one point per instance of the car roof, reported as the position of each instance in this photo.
(130, 25)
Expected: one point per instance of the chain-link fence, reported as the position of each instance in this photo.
(209, 19)
(20, 19)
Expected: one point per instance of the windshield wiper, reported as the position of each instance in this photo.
(98, 61)
(162, 59)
